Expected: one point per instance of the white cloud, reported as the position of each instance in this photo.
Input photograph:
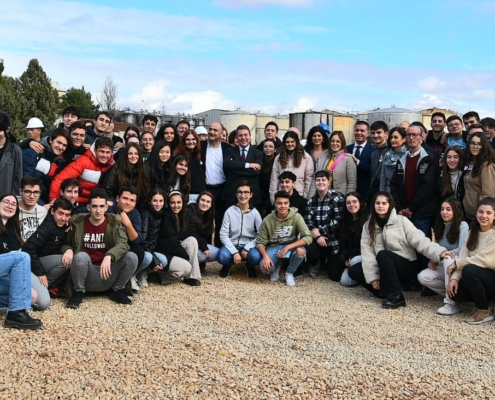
(430, 83)
(152, 95)
(195, 102)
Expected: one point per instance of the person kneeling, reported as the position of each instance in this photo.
(102, 260)
(240, 226)
(278, 239)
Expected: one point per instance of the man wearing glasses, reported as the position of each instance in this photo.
(414, 185)
(31, 214)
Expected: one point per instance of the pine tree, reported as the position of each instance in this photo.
(36, 88)
(82, 100)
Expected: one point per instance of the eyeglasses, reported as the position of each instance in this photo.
(413, 134)
(34, 193)
(475, 145)
(9, 204)
(241, 192)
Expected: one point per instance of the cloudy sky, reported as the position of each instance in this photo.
(274, 56)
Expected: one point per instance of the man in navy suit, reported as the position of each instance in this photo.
(242, 162)
(361, 152)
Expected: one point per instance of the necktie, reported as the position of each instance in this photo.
(358, 152)
(243, 155)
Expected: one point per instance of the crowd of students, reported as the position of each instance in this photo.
(394, 211)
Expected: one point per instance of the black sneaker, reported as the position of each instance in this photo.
(202, 267)
(427, 292)
(21, 320)
(192, 282)
(75, 300)
(251, 272)
(224, 272)
(120, 297)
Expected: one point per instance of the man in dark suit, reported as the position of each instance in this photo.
(213, 152)
(242, 162)
(361, 152)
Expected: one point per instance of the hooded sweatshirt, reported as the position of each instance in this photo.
(240, 228)
(275, 231)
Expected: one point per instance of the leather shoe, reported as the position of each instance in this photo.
(394, 301)
(21, 320)
(192, 282)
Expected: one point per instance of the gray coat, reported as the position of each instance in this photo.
(11, 169)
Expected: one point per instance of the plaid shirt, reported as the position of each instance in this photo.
(326, 215)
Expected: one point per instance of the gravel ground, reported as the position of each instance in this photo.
(240, 339)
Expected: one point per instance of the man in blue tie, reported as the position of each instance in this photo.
(242, 162)
(361, 152)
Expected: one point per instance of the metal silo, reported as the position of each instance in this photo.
(305, 121)
(345, 123)
(261, 121)
(394, 116)
(231, 120)
(283, 125)
(427, 113)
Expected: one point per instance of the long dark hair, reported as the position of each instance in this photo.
(207, 219)
(486, 153)
(12, 225)
(446, 181)
(184, 180)
(125, 169)
(475, 229)
(341, 137)
(309, 140)
(180, 218)
(298, 151)
(374, 218)
(160, 174)
(160, 135)
(347, 217)
(439, 228)
(182, 148)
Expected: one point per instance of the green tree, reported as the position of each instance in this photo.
(82, 100)
(12, 104)
(42, 99)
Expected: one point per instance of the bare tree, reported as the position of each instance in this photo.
(108, 97)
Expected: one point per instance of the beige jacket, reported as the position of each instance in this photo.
(478, 188)
(344, 175)
(399, 236)
(483, 256)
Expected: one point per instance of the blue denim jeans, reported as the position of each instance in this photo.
(212, 257)
(145, 263)
(226, 259)
(294, 259)
(15, 281)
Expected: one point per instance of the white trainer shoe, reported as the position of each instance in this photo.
(448, 309)
(289, 279)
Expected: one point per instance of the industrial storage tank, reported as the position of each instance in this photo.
(283, 124)
(345, 123)
(261, 121)
(129, 116)
(306, 120)
(394, 116)
(231, 120)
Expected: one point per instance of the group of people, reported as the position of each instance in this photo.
(94, 212)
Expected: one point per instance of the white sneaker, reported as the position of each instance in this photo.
(289, 279)
(142, 279)
(134, 284)
(275, 275)
(448, 309)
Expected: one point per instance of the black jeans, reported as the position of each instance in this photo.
(356, 273)
(477, 284)
(220, 208)
(394, 270)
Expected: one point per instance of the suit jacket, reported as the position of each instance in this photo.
(204, 144)
(236, 171)
(363, 168)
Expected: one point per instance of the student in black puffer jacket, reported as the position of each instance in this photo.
(44, 248)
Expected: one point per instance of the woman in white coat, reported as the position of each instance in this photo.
(388, 247)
